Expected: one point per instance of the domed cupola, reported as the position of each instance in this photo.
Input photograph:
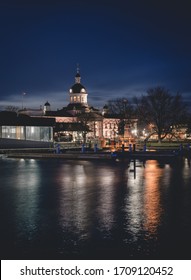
(77, 92)
(47, 103)
(105, 109)
(46, 107)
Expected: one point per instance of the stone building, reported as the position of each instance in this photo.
(78, 118)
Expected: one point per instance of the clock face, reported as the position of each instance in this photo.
(70, 90)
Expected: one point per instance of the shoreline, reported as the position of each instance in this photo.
(110, 156)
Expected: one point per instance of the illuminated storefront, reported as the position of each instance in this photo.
(13, 126)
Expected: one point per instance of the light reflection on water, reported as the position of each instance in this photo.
(107, 182)
(77, 208)
(134, 204)
(26, 185)
(73, 203)
(152, 197)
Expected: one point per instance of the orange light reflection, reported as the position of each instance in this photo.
(152, 199)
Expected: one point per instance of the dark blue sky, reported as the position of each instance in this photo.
(123, 48)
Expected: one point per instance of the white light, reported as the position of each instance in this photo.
(134, 131)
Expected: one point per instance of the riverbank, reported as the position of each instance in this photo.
(73, 156)
(114, 156)
(37, 150)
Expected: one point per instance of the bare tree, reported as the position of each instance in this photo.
(121, 106)
(12, 108)
(161, 110)
(124, 110)
(85, 119)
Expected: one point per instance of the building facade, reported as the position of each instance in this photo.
(78, 121)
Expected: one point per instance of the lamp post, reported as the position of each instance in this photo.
(23, 94)
(125, 102)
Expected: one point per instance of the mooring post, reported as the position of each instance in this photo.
(123, 148)
(144, 148)
(134, 147)
(83, 148)
(181, 149)
(130, 148)
(95, 148)
(58, 149)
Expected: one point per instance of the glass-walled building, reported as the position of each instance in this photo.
(33, 133)
(25, 127)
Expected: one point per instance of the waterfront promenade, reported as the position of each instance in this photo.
(35, 149)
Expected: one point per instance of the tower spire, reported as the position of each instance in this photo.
(78, 77)
(78, 68)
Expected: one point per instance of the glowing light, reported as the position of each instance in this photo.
(152, 203)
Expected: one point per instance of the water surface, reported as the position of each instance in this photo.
(57, 209)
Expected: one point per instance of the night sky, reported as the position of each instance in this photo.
(123, 48)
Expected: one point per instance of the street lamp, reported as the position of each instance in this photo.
(23, 94)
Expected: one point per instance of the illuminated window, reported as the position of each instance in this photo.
(74, 98)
